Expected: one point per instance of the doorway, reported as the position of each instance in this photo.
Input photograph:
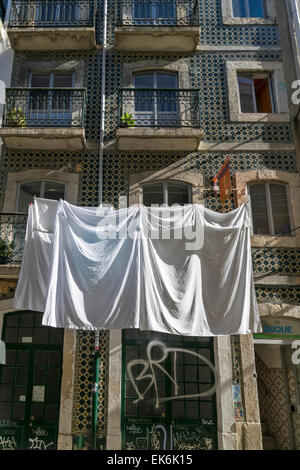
(278, 381)
(168, 392)
(30, 383)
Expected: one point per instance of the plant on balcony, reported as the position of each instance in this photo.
(15, 117)
(127, 120)
(6, 251)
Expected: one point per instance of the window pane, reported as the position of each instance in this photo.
(144, 81)
(54, 190)
(18, 411)
(166, 80)
(11, 335)
(259, 209)
(178, 194)
(246, 95)
(40, 80)
(153, 194)
(62, 80)
(256, 8)
(27, 319)
(26, 195)
(263, 95)
(239, 8)
(280, 209)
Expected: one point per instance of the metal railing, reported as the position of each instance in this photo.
(52, 13)
(160, 107)
(45, 107)
(12, 232)
(157, 12)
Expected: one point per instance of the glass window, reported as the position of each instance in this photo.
(51, 80)
(248, 8)
(160, 12)
(167, 193)
(45, 189)
(157, 104)
(270, 209)
(256, 94)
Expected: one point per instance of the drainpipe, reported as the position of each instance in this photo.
(100, 202)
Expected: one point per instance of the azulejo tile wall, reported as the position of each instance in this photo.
(207, 72)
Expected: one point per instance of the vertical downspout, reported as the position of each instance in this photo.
(100, 202)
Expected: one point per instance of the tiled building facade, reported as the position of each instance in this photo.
(209, 51)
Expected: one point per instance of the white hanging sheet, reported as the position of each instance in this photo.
(180, 270)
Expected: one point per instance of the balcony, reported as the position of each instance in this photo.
(157, 25)
(44, 118)
(164, 119)
(12, 233)
(52, 25)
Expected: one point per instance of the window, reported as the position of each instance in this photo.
(154, 13)
(50, 106)
(256, 93)
(270, 209)
(157, 104)
(248, 8)
(45, 189)
(167, 193)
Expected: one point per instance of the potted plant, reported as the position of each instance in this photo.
(127, 120)
(15, 117)
(6, 251)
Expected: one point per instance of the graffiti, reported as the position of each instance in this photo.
(173, 437)
(151, 365)
(7, 443)
(40, 432)
(38, 444)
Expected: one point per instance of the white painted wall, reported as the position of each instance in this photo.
(293, 9)
(6, 62)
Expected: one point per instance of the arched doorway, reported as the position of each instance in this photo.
(30, 383)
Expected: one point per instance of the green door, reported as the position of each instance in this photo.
(168, 392)
(30, 383)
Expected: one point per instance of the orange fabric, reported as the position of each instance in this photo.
(224, 180)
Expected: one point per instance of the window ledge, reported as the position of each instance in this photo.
(260, 117)
(229, 20)
(271, 241)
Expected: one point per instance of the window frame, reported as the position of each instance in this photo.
(269, 208)
(164, 184)
(279, 89)
(229, 19)
(42, 189)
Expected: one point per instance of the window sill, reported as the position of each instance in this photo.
(260, 117)
(229, 20)
(272, 241)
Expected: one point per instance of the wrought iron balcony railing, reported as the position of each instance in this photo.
(45, 107)
(160, 107)
(12, 233)
(157, 12)
(52, 13)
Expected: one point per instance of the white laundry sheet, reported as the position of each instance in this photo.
(180, 270)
